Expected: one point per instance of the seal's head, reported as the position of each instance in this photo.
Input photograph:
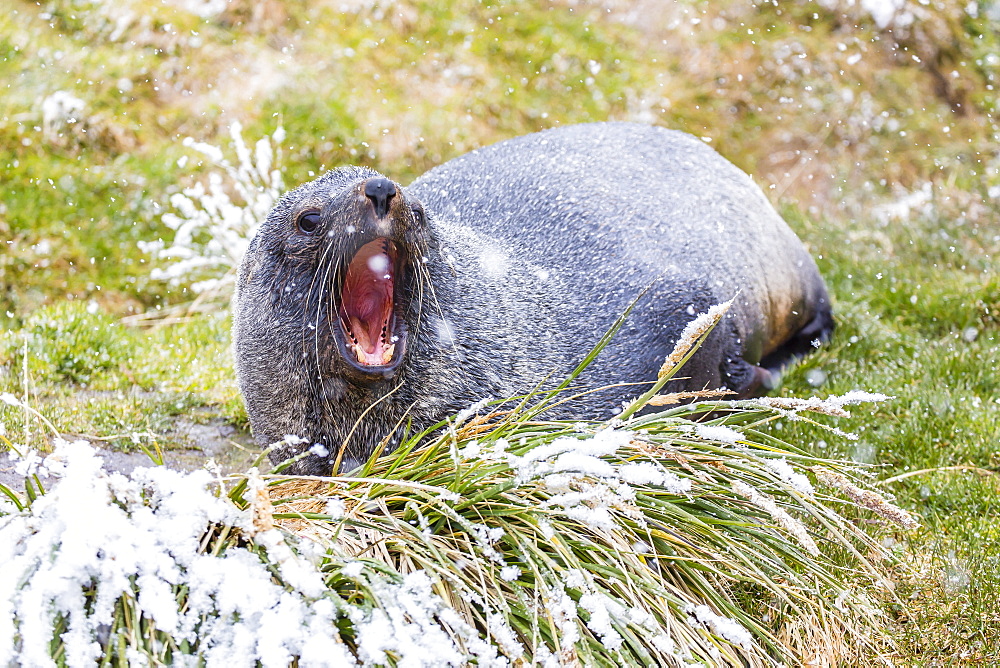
(324, 305)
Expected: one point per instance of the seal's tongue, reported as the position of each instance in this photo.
(366, 303)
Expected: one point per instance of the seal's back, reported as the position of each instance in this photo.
(608, 209)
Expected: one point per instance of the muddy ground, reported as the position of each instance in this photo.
(192, 446)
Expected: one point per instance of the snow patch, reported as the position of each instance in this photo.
(719, 433)
(95, 537)
(784, 471)
(728, 628)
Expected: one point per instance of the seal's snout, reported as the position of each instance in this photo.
(380, 191)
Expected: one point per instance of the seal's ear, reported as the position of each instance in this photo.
(245, 274)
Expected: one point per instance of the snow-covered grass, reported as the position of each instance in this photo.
(160, 568)
(213, 225)
(501, 541)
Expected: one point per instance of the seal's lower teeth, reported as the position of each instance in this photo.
(366, 359)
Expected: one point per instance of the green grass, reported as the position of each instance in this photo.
(836, 114)
(944, 415)
(921, 323)
(92, 376)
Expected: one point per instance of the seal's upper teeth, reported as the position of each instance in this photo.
(387, 355)
(359, 352)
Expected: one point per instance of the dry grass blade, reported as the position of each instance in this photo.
(681, 397)
(865, 498)
(694, 332)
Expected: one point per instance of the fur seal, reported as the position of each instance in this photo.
(361, 304)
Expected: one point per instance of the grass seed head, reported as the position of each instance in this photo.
(779, 515)
(866, 498)
(691, 335)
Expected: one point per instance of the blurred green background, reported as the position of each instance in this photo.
(872, 126)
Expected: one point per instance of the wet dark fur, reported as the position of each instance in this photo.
(528, 251)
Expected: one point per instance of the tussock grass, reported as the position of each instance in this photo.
(590, 543)
(646, 539)
(497, 536)
(509, 532)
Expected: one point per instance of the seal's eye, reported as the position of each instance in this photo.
(418, 215)
(308, 222)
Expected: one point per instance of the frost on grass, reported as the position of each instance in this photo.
(408, 628)
(213, 225)
(335, 508)
(866, 498)
(834, 405)
(784, 470)
(602, 610)
(590, 456)
(728, 628)
(584, 480)
(779, 515)
(720, 433)
(96, 542)
(791, 407)
(466, 413)
(691, 334)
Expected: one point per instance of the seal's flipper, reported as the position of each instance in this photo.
(749, 381)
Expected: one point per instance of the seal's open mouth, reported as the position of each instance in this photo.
(367, 316)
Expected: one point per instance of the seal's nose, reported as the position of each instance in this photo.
(380, 191)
